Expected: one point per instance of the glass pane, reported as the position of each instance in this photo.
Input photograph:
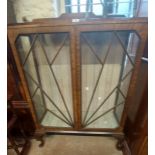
(98, 9)
(118, 113)
(51, 107)
(123, 88)
(39, 104)
(74, 7)
(51, 120)
(25, 46)
(89, 73)
(108, 121)
(107, 63)
(105, 107)
(83, 5)
(61, 67)
(46, 62)
(32, 86)
(125, 7)
(130, 41)
(125, 84)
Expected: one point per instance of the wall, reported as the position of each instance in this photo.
(33, 9)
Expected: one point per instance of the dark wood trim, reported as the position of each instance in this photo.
(109, 134)
(14, 88)
(68, 22)
(78, 78)
(74, 60)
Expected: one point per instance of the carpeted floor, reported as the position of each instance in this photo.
(74, 145)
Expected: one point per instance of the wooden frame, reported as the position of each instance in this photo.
(75, 27)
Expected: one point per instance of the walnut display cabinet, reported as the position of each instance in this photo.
(79, 74)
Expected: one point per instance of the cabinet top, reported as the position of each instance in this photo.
(77, 19)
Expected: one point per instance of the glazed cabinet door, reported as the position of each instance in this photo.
(45, 65)
(109, 60)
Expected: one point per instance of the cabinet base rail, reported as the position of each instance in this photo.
(120, 145)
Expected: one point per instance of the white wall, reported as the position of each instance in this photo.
(33, 9)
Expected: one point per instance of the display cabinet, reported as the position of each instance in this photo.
(79, 74)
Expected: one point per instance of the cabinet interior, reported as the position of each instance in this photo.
(107, 60)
